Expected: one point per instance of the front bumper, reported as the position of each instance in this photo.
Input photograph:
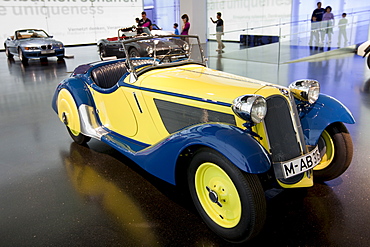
(43, 53)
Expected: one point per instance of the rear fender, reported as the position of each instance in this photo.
(325, 111)
(77, 88)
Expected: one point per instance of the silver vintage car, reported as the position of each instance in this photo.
(33, 43)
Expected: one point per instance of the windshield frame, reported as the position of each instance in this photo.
(137, 70)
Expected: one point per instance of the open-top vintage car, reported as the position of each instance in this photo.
(112, 47)
(364, 51)
(227, 138)
(31, 44)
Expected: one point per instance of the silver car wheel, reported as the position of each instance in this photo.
(21, 56)
(7, 52)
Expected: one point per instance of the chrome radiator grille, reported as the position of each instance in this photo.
(284, 137)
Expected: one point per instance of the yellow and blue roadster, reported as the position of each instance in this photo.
(227, 138)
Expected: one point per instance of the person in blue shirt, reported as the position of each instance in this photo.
(175, 26)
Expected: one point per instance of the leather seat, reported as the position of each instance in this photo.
(108, 75)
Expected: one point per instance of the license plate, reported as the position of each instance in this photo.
(301, 164)
(48, 52)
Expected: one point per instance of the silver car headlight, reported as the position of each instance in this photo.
(149, 50)
(185, 46)
(31, 48)
(305, 90)
(250, 107)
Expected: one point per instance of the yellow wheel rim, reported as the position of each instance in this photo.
(67, 108)
(329, 154)
(218, 195)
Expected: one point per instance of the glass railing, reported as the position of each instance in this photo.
(289, 41)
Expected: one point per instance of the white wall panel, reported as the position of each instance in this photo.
(70, 21)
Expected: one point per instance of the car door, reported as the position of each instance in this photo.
(115, 112)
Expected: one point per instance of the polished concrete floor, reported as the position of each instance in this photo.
(56, 193)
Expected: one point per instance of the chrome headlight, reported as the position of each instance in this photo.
(250, 107)
(185, 46)
(149, 50)
(306, 90)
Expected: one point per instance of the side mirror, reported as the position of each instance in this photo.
(9, 38)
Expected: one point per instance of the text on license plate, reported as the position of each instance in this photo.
(301, 164)
(48, 52)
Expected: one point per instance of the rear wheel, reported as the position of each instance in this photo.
(230, 202)
(336, 148)
(101, 52)
(68, 114)
(23, 59)
(7, 52)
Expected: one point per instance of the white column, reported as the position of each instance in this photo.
(197, 12)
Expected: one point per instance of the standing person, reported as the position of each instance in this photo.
(186, 26)
(342, 30)
(219, 31)
(318, 13)
(175, 26)
(315, 25)
(145, 23)
(328, 23)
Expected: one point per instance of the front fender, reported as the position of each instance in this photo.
(232, 142)
(325, 111)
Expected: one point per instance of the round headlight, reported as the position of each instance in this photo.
(149, 50)
(306, 90)
(250, 107)
(185, 46)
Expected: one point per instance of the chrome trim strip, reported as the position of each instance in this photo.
(89, 124)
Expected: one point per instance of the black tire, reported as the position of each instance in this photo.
(134, 52)
(101, 52)
(368, 61)
(80, 138)
(336, 145)
(7, 52)
(248, 207)
(23, 59)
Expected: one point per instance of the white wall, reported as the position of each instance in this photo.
(70, 21)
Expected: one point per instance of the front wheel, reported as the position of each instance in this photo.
(230, 202)
(134, 52)
(368, 61)
(23, 59)
(336, 149)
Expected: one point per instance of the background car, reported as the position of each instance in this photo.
(33, 43)
(112, 47)
(224, 138)
(364, 51)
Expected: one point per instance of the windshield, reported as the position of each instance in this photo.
(31, 33)
(162, 51)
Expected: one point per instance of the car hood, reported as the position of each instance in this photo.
(202, 82)
(39, 41)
